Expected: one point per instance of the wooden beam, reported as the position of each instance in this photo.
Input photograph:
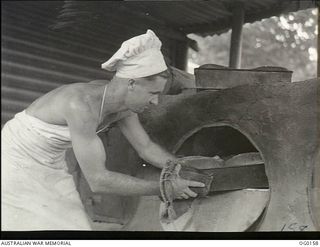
(181, 55)
(318, 69)
(236, 36)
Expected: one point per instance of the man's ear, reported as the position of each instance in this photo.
(131, 84)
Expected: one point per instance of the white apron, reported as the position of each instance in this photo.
(38, 193)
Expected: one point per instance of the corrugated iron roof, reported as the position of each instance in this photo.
(171, 20)
(175, 18)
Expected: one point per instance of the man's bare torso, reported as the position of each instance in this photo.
(53, 106)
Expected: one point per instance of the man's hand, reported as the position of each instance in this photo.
(181, 186)
(175, 181)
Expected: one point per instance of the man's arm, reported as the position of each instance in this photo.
(90, 154)
(154, 154)
(139, 139)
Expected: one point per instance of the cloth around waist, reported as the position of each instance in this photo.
(26, 137)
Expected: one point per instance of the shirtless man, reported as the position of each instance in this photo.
(37, 191)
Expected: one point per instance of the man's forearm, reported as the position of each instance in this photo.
(122, 184)
(156, 155)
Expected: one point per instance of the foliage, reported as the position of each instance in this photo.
(288, 41)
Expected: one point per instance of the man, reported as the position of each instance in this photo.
(37, 191)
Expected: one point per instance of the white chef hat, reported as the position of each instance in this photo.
(137, 57)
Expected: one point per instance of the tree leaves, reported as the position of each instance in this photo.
(288, 41)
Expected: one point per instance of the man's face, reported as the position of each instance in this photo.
(142, 92)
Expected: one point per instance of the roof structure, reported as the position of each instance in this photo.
(177, 18)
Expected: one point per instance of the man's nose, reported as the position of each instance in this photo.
(154, 100)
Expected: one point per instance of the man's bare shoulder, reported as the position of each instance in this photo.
(78, 104)
(79, 115)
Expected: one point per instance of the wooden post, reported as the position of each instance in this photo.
(181, 55)
(318, 69)
(236, 36)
